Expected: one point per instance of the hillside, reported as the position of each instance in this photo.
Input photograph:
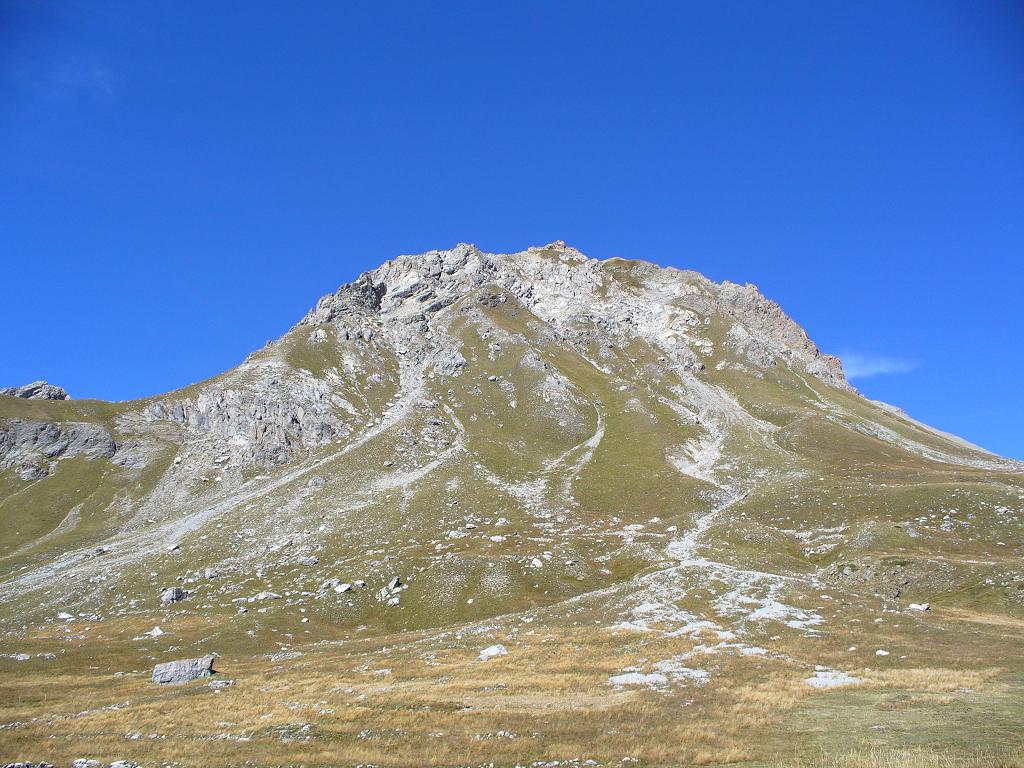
(692, 540)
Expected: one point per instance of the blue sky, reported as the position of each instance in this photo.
(179, 182)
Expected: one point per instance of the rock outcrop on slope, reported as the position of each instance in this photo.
(37, 390)
(32, 447)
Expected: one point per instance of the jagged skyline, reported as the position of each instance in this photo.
(172, 198)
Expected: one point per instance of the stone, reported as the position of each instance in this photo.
(183, 670)
(84, 762)
(32, 472)
(652, 680)
(830, 678)
(492, 651)
(172, 595)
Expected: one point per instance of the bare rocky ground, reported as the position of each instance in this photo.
(525, 509)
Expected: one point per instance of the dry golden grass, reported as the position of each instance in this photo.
(907, 758)
(421, 701)
(934, 680)
(990, 619)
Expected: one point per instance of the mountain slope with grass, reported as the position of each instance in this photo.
(682, 536)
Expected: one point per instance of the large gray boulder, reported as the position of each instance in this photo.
(172, 595)
(183, 670)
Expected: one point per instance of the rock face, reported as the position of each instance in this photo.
(183, 670)
(37, 390)
(266, 423)
(666, 307)
(32, 446)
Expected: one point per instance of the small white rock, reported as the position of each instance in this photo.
(493, 651)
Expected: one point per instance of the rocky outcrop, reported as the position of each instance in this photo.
(32, 446)
(774, 329)
(263, 423)
(585, 299)
(37, 390)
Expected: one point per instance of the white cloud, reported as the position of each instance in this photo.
(66, 79)
(860, 366)
(87, 77)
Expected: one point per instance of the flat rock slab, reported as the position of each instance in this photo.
(183, 670)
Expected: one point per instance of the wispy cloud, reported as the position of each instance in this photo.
(858, 365)
(86, 76)
(66, 79)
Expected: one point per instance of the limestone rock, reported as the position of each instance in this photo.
(492, 652)
(183, 670)
(29, 443)
(37, 390)
(172, 595)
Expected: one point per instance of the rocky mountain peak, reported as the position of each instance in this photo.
(669, 308)
(37, 390)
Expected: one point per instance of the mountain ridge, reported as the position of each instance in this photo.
(661, 476)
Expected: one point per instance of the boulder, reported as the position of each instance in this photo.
(32, 472)
(183, 670)
(172, 595)
(493, 651)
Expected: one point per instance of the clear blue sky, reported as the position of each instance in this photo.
(179, 182)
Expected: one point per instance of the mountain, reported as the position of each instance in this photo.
(679, 534)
